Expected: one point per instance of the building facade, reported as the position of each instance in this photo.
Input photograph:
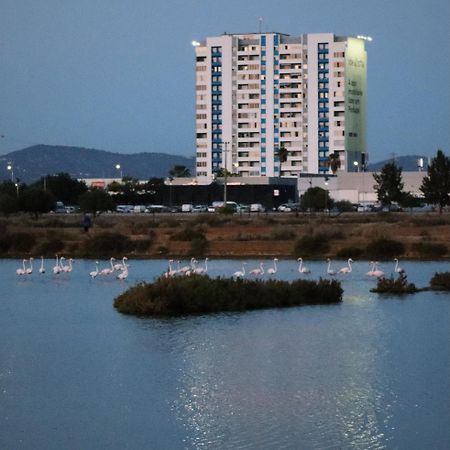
(261, 92)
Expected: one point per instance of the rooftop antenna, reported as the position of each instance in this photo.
(260, 20)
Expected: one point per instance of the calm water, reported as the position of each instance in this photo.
(372, 372)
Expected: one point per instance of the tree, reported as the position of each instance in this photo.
(316, 198)
(62, 186)
(282, 154)
(179, 172)
(8, 203)
(389, 185)
(36, 201)
(436, 186)
(334, 162)
(96, 201)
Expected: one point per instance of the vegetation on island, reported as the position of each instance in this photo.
(199, 294)
(399, 285)
(440, 281)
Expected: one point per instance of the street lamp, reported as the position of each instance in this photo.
(225, 150)
(356, 164)
(11, 168)
(119, 168)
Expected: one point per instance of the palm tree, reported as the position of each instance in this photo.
(180, 172)
(334, 162)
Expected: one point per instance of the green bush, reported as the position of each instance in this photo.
(49, 247)
(310, 245)
(19, 241)
(350, 252)
(107, 244)
(441, 281)
(199, 246)
(188, 234)
(383, 248)
(398, 285)
(201, 294)
(430, 249)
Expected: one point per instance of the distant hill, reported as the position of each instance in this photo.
(407, 163)
(31, 163)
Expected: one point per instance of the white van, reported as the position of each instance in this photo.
(257, 207)
(187, 207)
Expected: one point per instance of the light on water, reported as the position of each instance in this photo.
(369, 373)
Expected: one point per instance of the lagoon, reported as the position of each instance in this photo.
(371, 372)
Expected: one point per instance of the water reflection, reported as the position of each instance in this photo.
(368, 373)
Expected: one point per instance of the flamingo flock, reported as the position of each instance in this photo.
(61, 267)
(121, 272)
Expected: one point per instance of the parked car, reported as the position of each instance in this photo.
(200, 208)
(257, 207)
(288, 207)
(187, 207)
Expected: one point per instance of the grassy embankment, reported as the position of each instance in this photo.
(371, 236)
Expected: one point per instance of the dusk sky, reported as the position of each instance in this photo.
(119, 75)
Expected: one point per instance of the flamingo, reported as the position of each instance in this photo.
(188, 268)
(273, 270)
(260, 271)
(240, 273)
(202, 270)
(57, 267)
(170, 272)
(397, 268)
(120, 266)
(377, 272)
(23, 270)
(302, 269)
(372, 268)
(108, 270)
(124, 274)
(68, 267)
(29, 270)
(42, 268)
(95, 272)
(330, 271)
(346, 269)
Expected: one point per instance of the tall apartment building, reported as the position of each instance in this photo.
(259, 92)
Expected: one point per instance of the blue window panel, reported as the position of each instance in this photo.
(263, 82)
(276, 101)
(324, 110)
(263, 101)
(276, 81)
(276, 91)
(263, 53)
(276, 140)
(276, 72)
(263, 120)
(323, 70)
(263, 40)
(276, 119)
(263, 92)
(263, 130)
(263, 159)
(263, 111)
(276, 39)
(276, 111)
(323, 139)
(263, 71)
(324, 129)
(276, 52)
(216, 64)
(323, 119)
(263, 140)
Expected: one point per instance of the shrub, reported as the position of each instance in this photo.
(429, 249)
(350, 252)
(49, 247)
(188, 234)
(383, 248)
(199, 246)
(201, 294)
(441, 281)
(312, 245)
(106, 244)
(399, 285)
(20, 241)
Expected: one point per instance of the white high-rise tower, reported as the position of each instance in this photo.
(259, 92)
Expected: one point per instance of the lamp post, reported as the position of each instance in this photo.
(225, 174)
(356, 164)
(11, 168)
(326, 194)
(119, 168)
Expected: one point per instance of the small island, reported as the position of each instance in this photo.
(200, 294)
